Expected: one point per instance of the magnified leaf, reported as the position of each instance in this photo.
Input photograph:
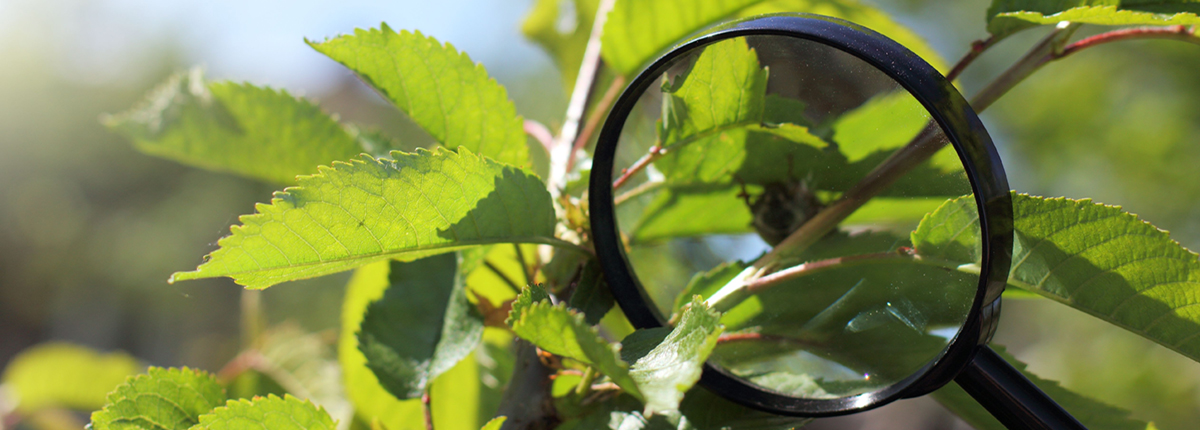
(162, 399)
(1095, 258)
(1006, 17)
(271, 412)
(637, 31)
(257, 132)
(442, 90)
(1094, 414)
(371, 209)
(65, 375)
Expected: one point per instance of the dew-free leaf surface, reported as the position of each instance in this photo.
(1006, 17)
(162, 399)
(369, 209)
(271, 412)
(65, 375)
(441, 89)
(257, 132)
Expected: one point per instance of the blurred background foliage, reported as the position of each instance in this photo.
(90, 229)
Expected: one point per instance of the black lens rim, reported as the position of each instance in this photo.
(945, 104)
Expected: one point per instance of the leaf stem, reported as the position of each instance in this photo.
(507, 281)
(977, 48)
(425, 407)
(525, 270)
(252, 319)
(593, 121)
(585, 382)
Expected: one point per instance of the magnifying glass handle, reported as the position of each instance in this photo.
(1010, 397)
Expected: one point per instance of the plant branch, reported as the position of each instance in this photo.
(645, 187)
(1175, 32)
(529, 276)
(977, 48)
(593, 121)
(527, 401)
(252, 320)
(560, 153)
(655, 153)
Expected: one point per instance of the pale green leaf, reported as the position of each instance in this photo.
(886, 121)
(422, 326)
(495, 423)
(271, 412)
(670, 369)
(1093, 257)
(304, 364)
(638, 30)
(563, 331)
(456, 393)
(63, 375)
(563, 32)
(371, 209)
(442, 90)
(162, 399)
(239, 128)
(1093, 414)
(1006, 17)
(725, 87)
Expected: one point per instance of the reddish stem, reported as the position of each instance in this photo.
(540, 133)
(977, 48)
(593, 121)
(1175, 32)
(425, 406)
(656, 152)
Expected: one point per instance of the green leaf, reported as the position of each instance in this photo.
(1091, 413)
(592, 295)
(455, 394)
(725, 87)
(271, 412)
(1095, 258)
(163, 399)
(495, 423)
(304, 365)
(371, 209)
(563, 331)
(637, 31)
(670, 369)
(887, 121)
(565, 43)
(1006, 17)
(443, 91)
(239, 128)
(700, 410)
(693, 211)
(421, 327)
(52, 375)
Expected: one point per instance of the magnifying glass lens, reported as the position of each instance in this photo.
(726, 166)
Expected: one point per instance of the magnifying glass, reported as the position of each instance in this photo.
(813, 180)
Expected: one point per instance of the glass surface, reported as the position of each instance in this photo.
(744, 141)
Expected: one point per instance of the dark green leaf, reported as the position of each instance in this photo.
(421, 327)
(1091, 413)
(442, 90)
(1006, 17)
(592, 295)
(162, 399)
(271, 412)
(256, 132)
(372, 209)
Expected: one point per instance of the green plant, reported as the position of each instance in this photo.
(488, 269)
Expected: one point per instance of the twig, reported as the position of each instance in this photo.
(508, 281)
(744, 337)
(560, 152)
(654, 154)
(977, 48)
(540, 133)
(252, 318)
(593, 121)
(645, 187)
(425, 403)
(1175, 32)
